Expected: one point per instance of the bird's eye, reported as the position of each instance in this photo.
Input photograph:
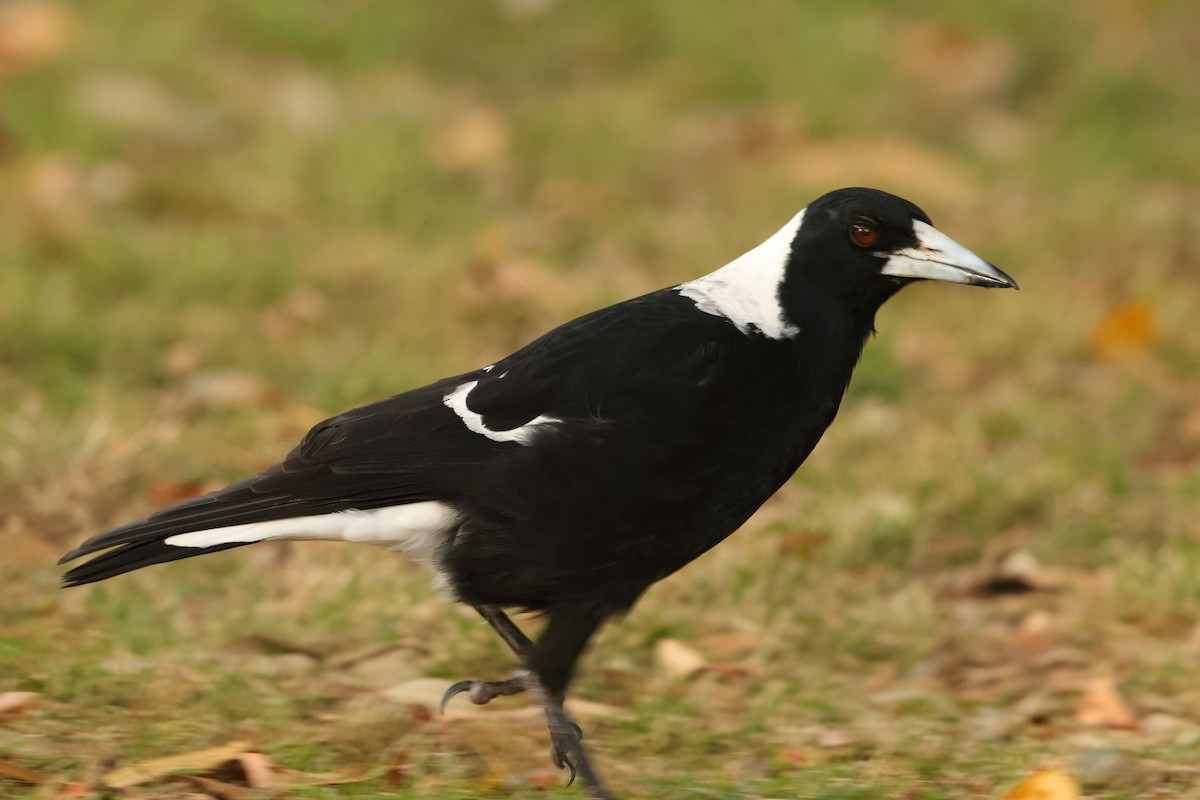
(863, 234)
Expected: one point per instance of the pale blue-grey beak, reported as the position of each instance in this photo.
(938, 257)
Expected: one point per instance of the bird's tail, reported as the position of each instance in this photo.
(131, 556)
(227, 518)
(246, 512)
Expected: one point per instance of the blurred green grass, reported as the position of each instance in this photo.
(222, 221)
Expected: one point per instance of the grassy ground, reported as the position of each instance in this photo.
(224, 221)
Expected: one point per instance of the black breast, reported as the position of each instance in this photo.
(597, 512)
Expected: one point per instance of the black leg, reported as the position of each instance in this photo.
(513, 636)
(549, 664)
(553, 663)
(483, 692)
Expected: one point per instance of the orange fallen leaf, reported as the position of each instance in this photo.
(1102, 705)
(23, 774)
(155, 768)
(1046, 784)
(1125, 331)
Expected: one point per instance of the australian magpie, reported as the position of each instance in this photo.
(571, 475)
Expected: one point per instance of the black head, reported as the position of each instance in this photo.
(862, 245)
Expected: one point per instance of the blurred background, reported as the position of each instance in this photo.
(221, 222)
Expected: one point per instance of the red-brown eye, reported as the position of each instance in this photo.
(863, 234)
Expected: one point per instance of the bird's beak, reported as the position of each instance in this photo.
(940, 258)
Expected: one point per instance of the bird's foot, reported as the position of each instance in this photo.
(566, 747)
(565, 738)
(483, 692)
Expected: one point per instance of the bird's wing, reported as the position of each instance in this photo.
(611, 365)
(630, 361)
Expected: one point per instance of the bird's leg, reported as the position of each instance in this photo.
(483, 692)
(548, 664)
(551, 665)
(513, 636)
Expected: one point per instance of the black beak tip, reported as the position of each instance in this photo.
(1005, 280)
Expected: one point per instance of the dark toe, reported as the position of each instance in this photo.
(561, 760)
(455, 689)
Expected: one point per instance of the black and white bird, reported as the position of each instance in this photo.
(596, 460)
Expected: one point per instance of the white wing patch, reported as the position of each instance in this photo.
(415, 529)
(746, 290)
(456, 401)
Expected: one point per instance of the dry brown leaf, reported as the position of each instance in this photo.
(30, 33)
(677, 659)
(261, 772)
(23, 774)
(16, 702)
(1125, 332)
(1102, 704)
(154, 768)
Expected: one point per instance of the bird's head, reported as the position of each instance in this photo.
(865, 244)
(851, 249)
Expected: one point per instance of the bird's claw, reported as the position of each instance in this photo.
(562, 761)
(562, 742)
(455, 689)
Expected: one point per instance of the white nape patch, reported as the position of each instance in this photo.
(746, 290)
(413, 529)
(456, 401)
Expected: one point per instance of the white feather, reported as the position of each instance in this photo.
(746, 290)
(457, 402)
(416, 529)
